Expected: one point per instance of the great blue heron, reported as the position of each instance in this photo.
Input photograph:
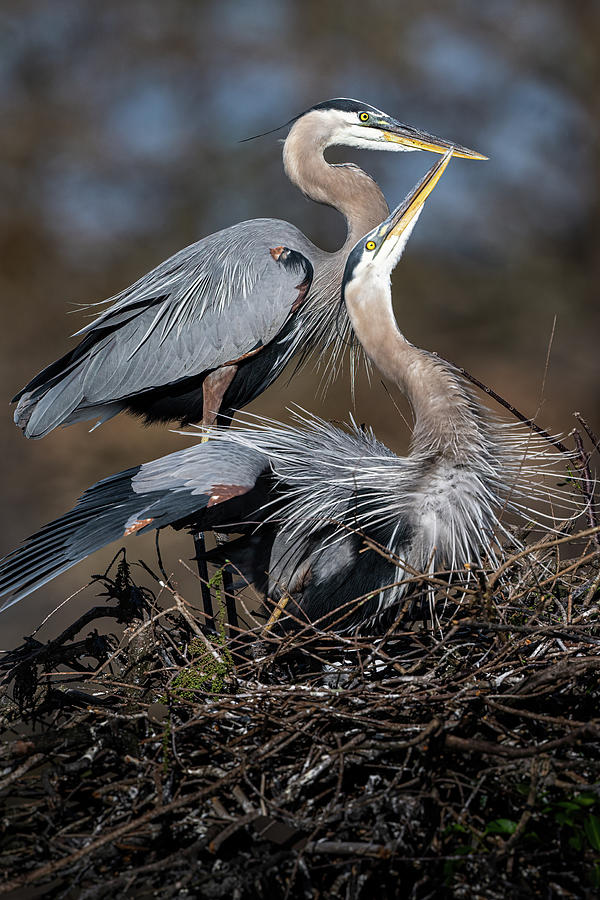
(304, 498)
(210, 328)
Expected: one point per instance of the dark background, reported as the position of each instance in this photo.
(120, 127)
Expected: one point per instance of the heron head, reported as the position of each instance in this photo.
(379, 251)
(351, 123)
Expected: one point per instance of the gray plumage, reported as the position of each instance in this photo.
(224, 304)
(169, 326)
(159, 493)
(305, 498)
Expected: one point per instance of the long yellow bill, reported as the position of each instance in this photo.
(424, 141)
(402, 216)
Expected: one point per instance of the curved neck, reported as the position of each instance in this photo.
(346, 188)
(445, 419)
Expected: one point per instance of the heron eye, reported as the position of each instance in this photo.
(364, 117)
(370, 245)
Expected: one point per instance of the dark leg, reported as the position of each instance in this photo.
(230, 604)
(213, 389)
(199, 547)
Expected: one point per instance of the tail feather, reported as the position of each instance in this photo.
(99, 518)
(39, 414)
(48, 376)
(55, 395)
(203, 485)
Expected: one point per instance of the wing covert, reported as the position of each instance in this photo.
(210, 304)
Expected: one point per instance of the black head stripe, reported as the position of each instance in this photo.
(355, 256)
(344, 104)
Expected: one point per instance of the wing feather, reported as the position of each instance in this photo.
(211, 303)
(164, 492)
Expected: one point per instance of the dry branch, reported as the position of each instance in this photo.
(440, 759)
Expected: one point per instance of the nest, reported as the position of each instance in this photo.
(455, 755)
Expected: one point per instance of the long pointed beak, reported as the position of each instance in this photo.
(421, 140)
(399, 220)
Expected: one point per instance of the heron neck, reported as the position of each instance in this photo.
(344, 187)
(445, 419)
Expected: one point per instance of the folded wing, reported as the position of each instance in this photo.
(210, 304)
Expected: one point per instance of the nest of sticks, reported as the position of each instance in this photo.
(457, 755)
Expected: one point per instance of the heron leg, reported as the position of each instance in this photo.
(230, 603)
(213, 390)
(200, 549)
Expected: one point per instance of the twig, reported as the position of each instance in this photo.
(476, 746)
(595, 441)
(513, 410)
(349, 848)
(541, 545)
(525, 815)
(587, 484)
(21, 770)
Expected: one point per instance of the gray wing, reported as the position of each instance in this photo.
(323, 471)
(208, 305)
(206, 482)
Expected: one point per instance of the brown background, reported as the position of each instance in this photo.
(120, 126)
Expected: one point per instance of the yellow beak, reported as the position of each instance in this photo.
(402, 216)
(423, 141)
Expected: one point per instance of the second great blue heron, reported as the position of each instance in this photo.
(210, 328)
(305, 498)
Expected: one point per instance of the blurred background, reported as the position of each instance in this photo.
(121, 123)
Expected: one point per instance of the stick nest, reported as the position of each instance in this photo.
(456, 755)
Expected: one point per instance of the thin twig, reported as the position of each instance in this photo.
(513, 410)
(595, 441)
(587, 484)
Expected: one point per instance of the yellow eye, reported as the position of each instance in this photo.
(364, 117)
(370, 245)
